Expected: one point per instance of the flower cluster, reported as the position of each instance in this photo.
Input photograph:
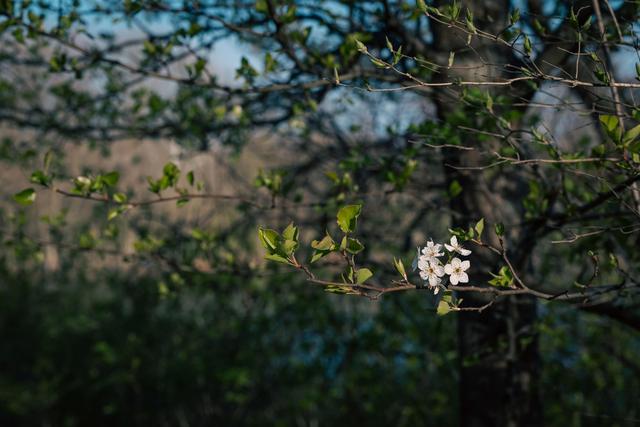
(432, 269)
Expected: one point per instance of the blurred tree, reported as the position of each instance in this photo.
(521, 114)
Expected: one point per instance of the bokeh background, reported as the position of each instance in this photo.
(168, 315)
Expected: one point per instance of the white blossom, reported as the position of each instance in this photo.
(431, 270)
(432, 250)
(455, 247)
(456, 270)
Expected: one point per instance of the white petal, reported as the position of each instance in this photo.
(454, 279)
(438, 270)
(456, 262)
(436, 290)
(465, 265)
(424, 275)
(433, 281)
(449, 248)
(423, 262)
(463, 278)
(454, 241)
(464, 251)
(448, 269)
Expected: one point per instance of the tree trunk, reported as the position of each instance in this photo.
(498, 348)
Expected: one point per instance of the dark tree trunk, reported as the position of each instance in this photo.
(498, 348)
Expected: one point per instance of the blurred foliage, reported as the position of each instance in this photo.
(104, 347)
(107, 348)
(186, 329)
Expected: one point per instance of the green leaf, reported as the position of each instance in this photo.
(337, 289)
(528, 49)
(631, 134)
(499, 228)
(326, 244)
(479, 227)
(611, 126)
(343, 244)
(514, 17)
(120, 198)
(601, 75)
(289, 246)
(318, 255)
(25, 197)
(322, 248)
(347, 217)
(114, 213)
(469, 22)
(443, 308)
(171, 173)
(362, 275)
(39, 177)
(400, 267)
(455, 188)
(361, 47)
(354, 246)
(190, 178)
(111, 178)
(504, 278)
(610, 123)
(269, 238)
(182, 201)
(277, 258)
(291, 232)
(262, 6)
(48, 159)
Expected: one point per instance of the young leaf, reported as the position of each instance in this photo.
(452, 56)
(25, 197)
(291, 232)
(515, 17)
(354, 246)
(113, 213)
(326, 244)
(611, 125)
(269, 238)
(39, 177)
(277, 258)
(479, 227)
(361, 47)
(455, 188)
(111, 178)
(631, 134)
(347, 217)
(322, 248)
(120, 198)
(289, 246)
(362, 275)
(400, 267)
(443, 308)
(528, 49)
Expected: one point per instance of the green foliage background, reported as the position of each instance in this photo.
(125, 330)
(85, 347)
